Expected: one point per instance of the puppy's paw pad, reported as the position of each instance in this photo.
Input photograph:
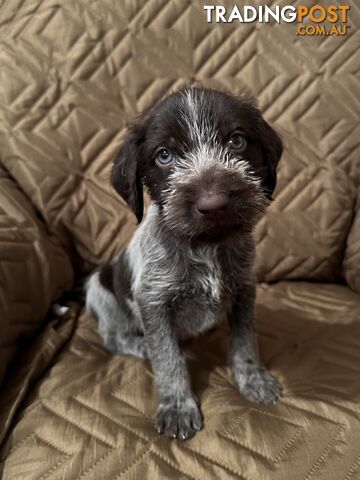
(261, 387)
(180, 422)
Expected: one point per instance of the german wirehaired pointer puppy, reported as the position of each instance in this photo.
(209, 162)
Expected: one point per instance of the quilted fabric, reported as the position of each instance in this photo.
(34, 270)
(75, 73)
(90, 417)
(31, 362)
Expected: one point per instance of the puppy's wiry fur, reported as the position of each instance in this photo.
(209, 161)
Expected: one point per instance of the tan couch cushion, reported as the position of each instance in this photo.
(76, 74)
(91, 415)
(34, 270)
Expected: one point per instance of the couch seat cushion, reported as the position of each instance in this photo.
(90, 415)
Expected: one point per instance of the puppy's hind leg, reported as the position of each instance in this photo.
(116, 326)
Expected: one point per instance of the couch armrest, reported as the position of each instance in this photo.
(351, 263)
(34, 270)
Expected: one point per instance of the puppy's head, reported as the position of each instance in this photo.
(209, 160)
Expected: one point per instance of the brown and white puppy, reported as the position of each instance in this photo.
(209, 161)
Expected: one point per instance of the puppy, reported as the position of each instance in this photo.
(209, 162)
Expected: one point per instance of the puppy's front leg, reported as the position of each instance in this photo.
(178, 415)
(253, 380)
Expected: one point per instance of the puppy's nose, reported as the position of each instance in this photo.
(209, 204)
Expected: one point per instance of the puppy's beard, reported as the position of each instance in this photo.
(180, 218)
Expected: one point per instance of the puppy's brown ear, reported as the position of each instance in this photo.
(125, 175)
(272, 148)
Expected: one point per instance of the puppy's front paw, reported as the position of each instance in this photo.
(179, 419)
(258, 385)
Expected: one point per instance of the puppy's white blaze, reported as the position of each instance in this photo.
(207, 152)
(196, 121)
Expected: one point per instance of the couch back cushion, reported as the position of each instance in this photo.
(77, 74)
(303, 234)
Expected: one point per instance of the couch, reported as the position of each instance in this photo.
(74, 75)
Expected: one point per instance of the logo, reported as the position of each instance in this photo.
(314, 20)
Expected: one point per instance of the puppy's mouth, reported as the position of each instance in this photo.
(217, 233)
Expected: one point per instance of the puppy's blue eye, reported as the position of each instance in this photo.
(164, 157)
(238, 142)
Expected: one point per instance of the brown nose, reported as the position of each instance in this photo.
(209, 204)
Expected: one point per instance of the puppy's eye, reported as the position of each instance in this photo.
(164, 158)
(238, 142)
